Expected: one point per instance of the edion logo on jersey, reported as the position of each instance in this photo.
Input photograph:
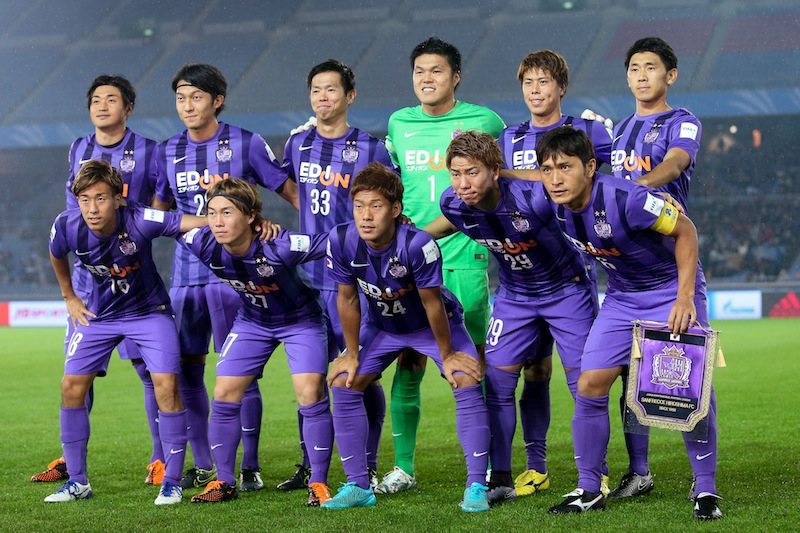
(193, 181)
(598, 253)
(422, 160)
(313, 173)
(621, 160)
(386, 294)
(524, 159)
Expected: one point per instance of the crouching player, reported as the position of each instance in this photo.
(399, 269)
(650, 253)
(128, 300)
(278, 307)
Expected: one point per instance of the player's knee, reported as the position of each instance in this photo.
(594, 384)
(463, 380)
(74, 389)
(540, 370)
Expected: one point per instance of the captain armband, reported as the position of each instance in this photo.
(667, 220)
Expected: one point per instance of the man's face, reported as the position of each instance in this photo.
(434, 80)
(375, 218)
(567, 180)
(473, 182)
(196, 108)
(648, 77)
(107, 109)
(229, 225)
(99, 208)
(541, 93)
(328, 99)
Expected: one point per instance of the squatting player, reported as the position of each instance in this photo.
(111, 100)
(545, 290)
(649, 251)
(323, 161)
(127, 300)
(206, 152)
(278, 306)
(398, 269)
(417, 140)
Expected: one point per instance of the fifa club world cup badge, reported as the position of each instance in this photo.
(519, 222)
(601, 226)
(224, 153)
(127, 163)
(396, 268)
(126, 246)
(263, 269)
(350, 154)
(671, 368)
(651, 136)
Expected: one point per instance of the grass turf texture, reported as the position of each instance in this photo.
(758, 473)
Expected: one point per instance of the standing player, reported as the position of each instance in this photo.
(323, 161)
(111, 101)
(417, 140)
(657, 147)
(398, 269)
(544, 290)
(127, 300)
(650, 253)
(544, 77)
(192, 161)
(277, 307)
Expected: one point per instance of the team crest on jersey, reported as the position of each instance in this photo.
(456, 133)
(396, 268)
(601, 226)
(263, 268)
(519, 222)
(651, 136)
(126, 246)
(671, 368)
(224, 153)
(350, 154)
(127, 163)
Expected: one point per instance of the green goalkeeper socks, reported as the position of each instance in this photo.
(406, 412)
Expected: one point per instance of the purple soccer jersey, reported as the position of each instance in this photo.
(125, 280)
(521, 232)
(389, 278)
(188, 169)
(274, 292)
(518, 143)
(641, 142)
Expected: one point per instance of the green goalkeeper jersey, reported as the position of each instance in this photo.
(418, 145)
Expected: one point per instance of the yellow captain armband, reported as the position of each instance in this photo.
(667, 220)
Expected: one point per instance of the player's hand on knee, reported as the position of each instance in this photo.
(344, 364)
(461, 362)
(588, 114)
(310, 123)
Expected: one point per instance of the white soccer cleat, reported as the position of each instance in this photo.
(69, 492)
(169, 494)
(396, 481)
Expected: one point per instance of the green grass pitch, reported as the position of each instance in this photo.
(758, 474)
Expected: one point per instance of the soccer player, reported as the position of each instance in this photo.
(323, 161)
(417, 140)
(277, 307)
(399, 270)
(649, 251)
(127, 300)
(545, 290)
(111, 100)
(544, 77)
(657, 147)
(191, 162)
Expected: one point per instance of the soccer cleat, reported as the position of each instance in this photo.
(475, 498)
(579, 501)
(56, 471)
(604, 485)
(531, 481)
(373, 477)
(250, 480)
(395, 481)
(169, 494)
(216, 491)
(633, 484)
(318, 494)
(705, 506)
(349, 496)
(197, 477)
(501, 494)
(155, 473)
(69, 492)
(299, 479)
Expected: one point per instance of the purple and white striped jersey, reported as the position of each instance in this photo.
(518, 143)
(390, 277)
(124, 276)
(274, 292)
(615, 228)
(521, 231)
(323, 169)
(135, 157)
(188, 169)
(641, 142)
